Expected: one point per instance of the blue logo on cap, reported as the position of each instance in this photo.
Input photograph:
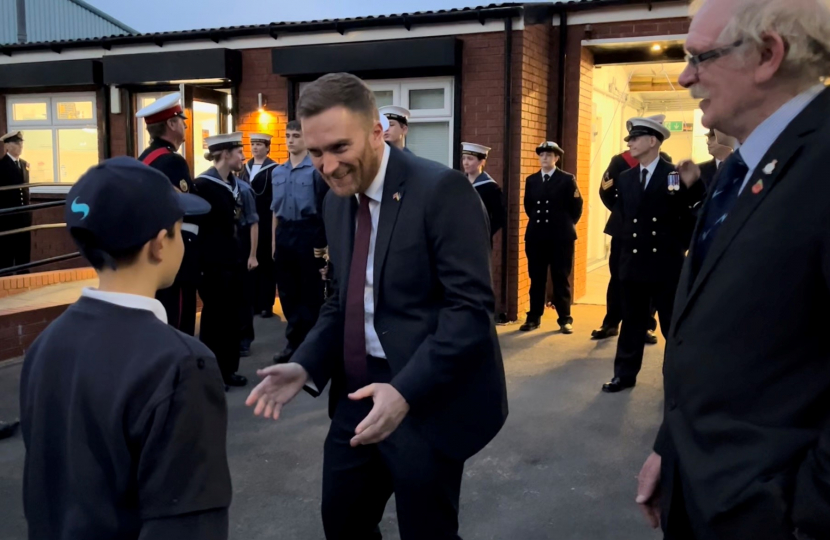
(80, 208)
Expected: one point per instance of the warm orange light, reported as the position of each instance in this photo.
(265, 118)
(656, 47)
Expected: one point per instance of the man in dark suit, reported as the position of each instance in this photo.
(15, 249)
(409, 324)
(608, 194)
(719, 153)
(553, 205)
(655, 218)
(744, 448)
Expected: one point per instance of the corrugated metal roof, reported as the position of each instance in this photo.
(57, 20)
(341, 25)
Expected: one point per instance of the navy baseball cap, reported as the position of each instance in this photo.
(123, 203)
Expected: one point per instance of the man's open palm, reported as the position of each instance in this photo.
(279, 386)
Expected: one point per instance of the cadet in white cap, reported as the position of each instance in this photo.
(655, 209)
(14, 248)
(473, 159)
(553, 205)
(257, 173)
(165, 121)
(398, 119)
(223, 269)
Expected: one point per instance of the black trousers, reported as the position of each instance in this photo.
(246, 306)
(357, 482)
(264, 277)
(15, 249)
(299, 282)
(179, 300)
(637, 299)
(558, 257)
(221, 292)
(613, 297)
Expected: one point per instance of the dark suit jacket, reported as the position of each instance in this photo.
(707, 172)
(616, 167)
(433, 304)
(747, 368)
(553, 207)
(11, 174)
(493, 200)
(655, 225)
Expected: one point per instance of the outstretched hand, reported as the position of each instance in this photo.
(279, 386)
(384, 418)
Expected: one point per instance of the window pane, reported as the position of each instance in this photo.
(75, 110)
(27, 112)
(37, 150)
(384, 98)
(430, 140)
(426, 99)
(78, 152)
(205, 124)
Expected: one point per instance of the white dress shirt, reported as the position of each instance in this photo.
(255, 170)
(549, 173)
(650, 168)
(762, 138)
(375, 195)
(132, 301)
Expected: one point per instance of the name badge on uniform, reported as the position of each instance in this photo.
(674, 181)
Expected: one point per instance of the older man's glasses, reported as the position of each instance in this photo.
(697, 59)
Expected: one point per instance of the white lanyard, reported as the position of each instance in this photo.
(234, 190)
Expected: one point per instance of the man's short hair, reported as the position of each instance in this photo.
(337, 90)
(101, 259)
(294, 125)
(157, 130)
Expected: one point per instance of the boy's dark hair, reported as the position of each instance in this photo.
(294, 125)
(100, 258)
(338, 90)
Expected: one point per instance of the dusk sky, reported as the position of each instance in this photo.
(166, 15)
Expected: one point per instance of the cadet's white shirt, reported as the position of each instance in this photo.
(132, 301)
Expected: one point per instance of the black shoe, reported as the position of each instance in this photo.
(604, 332)
(267, 314)
(284, 356)
(236, 380)
(530, 324)
(617, 385)
(567, 328)
(8, 429)
(651, 337)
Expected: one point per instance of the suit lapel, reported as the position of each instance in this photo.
(393, 190)
(658, 180)
(766, 175)
(629, 185)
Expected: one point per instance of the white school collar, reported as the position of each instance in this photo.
(132, 301)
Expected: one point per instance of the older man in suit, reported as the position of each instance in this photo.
(744, 448)
(15, 248)
(406, 336)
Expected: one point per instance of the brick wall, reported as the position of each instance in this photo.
(257, 78)
(19, 330)
(11, 285)
(628, 29)
(118, 131)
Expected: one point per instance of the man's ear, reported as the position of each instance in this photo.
(156, 246)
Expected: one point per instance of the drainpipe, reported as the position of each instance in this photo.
(22, 35)
(506, 171)
(563, 57)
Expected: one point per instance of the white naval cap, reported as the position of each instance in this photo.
(14, 136)
(393, 112)
(384, 122)
(225, 141)
(476, 150)
(261, 137)
(550, 146)
(649, 125)
(162, 109)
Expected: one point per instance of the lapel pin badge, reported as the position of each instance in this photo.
(759, 186)
(770, 167)
(397, 196)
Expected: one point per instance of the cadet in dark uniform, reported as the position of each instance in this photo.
(123, 417)
(247, 238)
(223, 269)
(553, 205)
(657, 219)
(166, 125)
(297, 209)
(15, 249)
(473, 159)
(608, 194)
(257, 173)
(398, 120)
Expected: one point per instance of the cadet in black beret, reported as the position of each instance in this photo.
(123, 416)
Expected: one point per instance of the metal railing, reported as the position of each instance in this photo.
(32, 208)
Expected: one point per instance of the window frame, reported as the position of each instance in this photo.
(54, 125)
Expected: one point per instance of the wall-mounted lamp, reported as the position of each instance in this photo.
(115, 100)
(261, 102)
(656, 47)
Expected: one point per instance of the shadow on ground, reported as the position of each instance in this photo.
(563, 467)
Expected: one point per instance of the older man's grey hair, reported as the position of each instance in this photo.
(804, 25)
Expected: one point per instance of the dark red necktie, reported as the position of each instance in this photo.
(354, 340)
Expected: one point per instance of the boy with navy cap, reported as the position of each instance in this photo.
(124, 417)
